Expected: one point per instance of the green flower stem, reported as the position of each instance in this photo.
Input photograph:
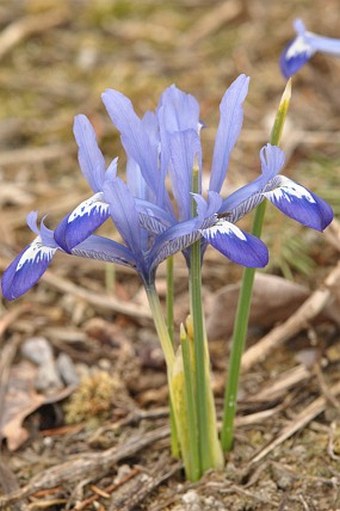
(175, 450)
(200, 350)
(170, 296)
(193, 471)
(244, 301)
(169, 354)
(238, 341)
(161, 326)
(210, 452)
(200, 355)
(110, 277)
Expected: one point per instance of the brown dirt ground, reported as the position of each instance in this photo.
(56, 59)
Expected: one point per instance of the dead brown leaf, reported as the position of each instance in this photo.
(20, 401)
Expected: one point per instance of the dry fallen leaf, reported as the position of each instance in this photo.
(20, 401)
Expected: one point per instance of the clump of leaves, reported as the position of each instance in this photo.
(92, 401)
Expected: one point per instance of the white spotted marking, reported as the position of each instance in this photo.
(224, 227)
(88, 207)
(287, 190)
(35, 253)
(298, 47)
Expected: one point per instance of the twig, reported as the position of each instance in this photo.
(88, 465)
(301, 420)
(332, 234)
(331, 441)
(308, 310)
(35, 154)
(282, 383)
(7, 357)
(19, 30)
(257, 417)
(143, 485)
(211, 22)
(101, 301)
(109, 489)
(324, 387)
(11, 316)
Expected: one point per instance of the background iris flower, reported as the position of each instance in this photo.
(303, 47)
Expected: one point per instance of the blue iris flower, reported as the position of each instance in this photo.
(303, 47)
(161, 144)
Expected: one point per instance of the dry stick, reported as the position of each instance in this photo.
(332, 234)
(19, 30)
(33, 155)
(11, 316)
(211, 22)
(100, 300)
(257, 417)
(144, 485)
(301, 420)
(308, 310)
(8, 481)
(282, 383)
(108, 490)
(87, 466)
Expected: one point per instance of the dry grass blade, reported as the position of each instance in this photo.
(301, 420)
(89, 466)
(297, 321)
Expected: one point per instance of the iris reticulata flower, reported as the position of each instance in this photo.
(161, 144)
(303, 47)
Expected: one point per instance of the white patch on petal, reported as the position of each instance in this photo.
(35, 253)
(88, 206)
(299, 47)
(224, 227)
(287, 189)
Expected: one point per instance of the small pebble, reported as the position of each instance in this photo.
(67, 369)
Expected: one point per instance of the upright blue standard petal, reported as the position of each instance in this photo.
(91, 159)
(231, 119)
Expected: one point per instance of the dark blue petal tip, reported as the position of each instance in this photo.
(300, 204)
(26, 269)
(239, 246)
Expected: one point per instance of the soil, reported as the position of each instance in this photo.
(83, 394)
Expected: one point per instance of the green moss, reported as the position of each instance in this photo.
(92, 401)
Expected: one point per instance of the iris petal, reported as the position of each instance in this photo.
(239, 246)
(104, 249)
(231, 112)
(300, 204)
(26, 269)
(81, 222)
(91, 159)
(137, 136)
(295, 55)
